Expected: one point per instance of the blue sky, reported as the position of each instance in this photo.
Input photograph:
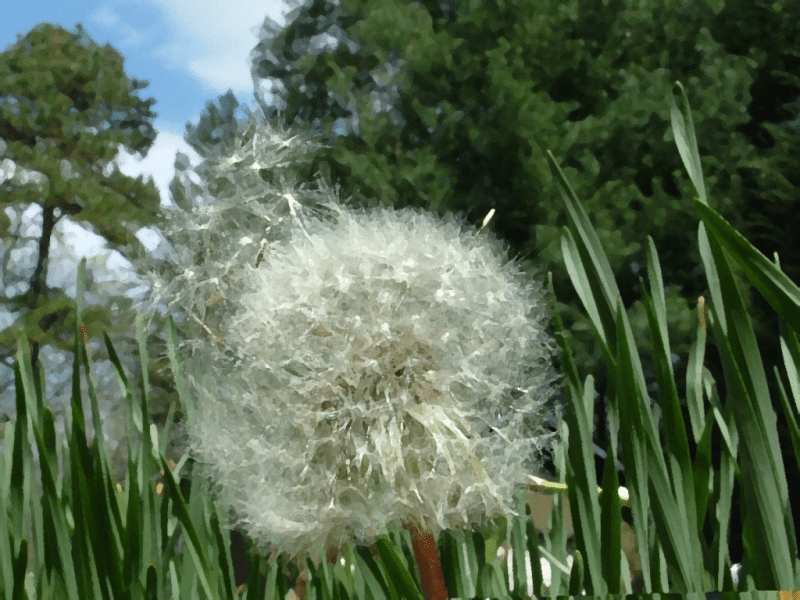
(191, 52)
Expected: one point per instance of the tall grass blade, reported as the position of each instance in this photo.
(642, 450)
(769, 527)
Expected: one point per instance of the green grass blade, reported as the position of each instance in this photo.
(223, 553)
(600, 276)
(397, 571)
(640, 440)
(518, 532)
(610, 527)
(576, 575)
(676, 442)
(598, 313)
(556, 551)
(581, 483)
(764, 481)
(685, 139)
(725, 486)
(780, 291)
(533, 551)
(375, 586)
(694, 374)
(193, 543)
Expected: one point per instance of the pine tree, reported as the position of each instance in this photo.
(67, 108)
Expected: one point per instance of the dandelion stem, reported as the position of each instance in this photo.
(430, 568)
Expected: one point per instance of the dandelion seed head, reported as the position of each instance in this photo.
(372, 367)
(376, 375)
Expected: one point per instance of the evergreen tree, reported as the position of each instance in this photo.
(66, 107)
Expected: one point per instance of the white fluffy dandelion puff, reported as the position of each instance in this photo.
(392, 367)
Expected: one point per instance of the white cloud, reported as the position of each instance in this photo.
(213, 39)
(220, 71)
(107, 17)
(160, 160)
(159, 164)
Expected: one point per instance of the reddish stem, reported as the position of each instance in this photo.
(430, 568)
